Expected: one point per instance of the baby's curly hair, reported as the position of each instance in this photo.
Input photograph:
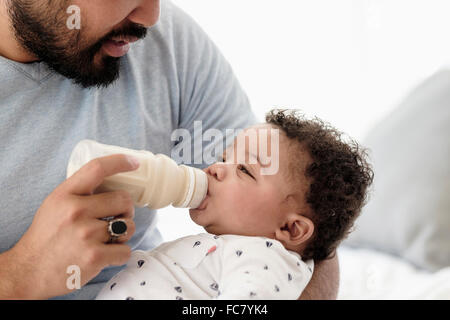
(339, 177)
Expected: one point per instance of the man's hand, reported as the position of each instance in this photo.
(67, 230)
(324, 284)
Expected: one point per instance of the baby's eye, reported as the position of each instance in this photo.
(244, 169)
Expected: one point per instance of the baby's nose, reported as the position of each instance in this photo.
(217, 170)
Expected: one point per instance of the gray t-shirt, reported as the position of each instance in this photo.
(169, 80)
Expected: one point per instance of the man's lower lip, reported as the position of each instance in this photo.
(116, 49)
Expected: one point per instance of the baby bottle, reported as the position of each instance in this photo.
(157, 183)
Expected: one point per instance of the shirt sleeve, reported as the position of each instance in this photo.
(211, 97)
(262, 269)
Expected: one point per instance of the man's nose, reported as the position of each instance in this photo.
(146, 13)
(218, 171)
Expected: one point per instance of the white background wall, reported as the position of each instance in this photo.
(348, 62)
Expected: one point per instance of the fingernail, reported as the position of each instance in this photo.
(133, 161)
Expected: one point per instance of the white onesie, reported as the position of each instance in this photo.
(206, 266)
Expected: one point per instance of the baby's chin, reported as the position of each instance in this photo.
(214, 229)
(198, 216)
(203, 219)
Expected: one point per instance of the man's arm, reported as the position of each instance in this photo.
(324, 284)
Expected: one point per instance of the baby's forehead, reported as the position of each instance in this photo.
(262, 132)
(269, 133)
(259, 140)
(268, 144)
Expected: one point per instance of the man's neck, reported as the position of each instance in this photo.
(9, 47)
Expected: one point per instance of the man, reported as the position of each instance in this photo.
(60, 84)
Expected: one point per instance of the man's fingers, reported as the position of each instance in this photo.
(92, 174)
(131, 228)
(97, 231)
(116, 254)
(107, 204)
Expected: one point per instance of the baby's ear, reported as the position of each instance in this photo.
(296, 231)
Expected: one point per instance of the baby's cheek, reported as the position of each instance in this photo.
(236, 205)
(233, 193)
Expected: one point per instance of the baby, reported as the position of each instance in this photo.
(263, 230)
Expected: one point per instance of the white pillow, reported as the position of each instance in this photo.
(408, 213)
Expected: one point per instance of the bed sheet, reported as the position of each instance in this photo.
(370, 274)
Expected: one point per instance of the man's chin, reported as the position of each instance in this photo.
(92, 74)
(90, 82)
(103, 74)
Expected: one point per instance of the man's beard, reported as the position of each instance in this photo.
(46, 36)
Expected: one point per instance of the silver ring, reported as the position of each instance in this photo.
(116, 229)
